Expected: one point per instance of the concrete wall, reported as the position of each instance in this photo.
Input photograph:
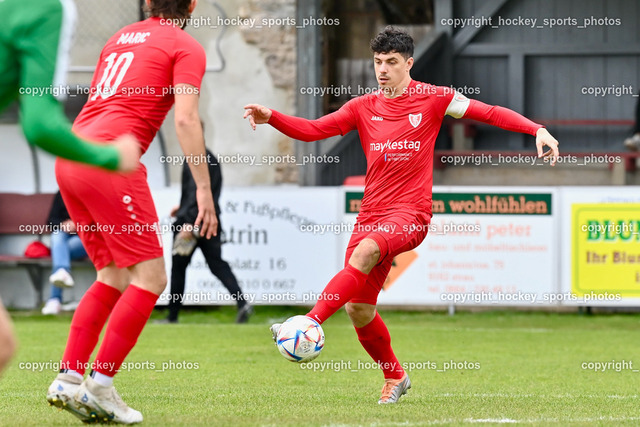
(259, 68)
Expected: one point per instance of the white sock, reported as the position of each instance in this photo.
(76, 374)
(102, 379)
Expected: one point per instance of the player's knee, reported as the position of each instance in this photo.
(149, 275)
(360, 314)
(162, 282)
(113, 276)
(155, 283)
(152, 280)
(365, 255)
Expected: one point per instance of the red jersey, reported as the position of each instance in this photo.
(398, 137)
(132, 88)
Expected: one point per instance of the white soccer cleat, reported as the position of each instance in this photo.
(61, 395)
(70, 306)
(104, 404)
(394, 389)
(62, 279)
(275, 328)
(52, 306)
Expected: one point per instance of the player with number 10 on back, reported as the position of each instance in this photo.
(143, 70)
(398, 126)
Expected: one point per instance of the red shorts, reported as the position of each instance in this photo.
(114, 213)
(395, 232)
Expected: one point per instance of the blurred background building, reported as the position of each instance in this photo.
(572, 65)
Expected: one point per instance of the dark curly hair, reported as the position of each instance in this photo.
(169, 9)
(393, 40)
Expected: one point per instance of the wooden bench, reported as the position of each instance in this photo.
(17, 213)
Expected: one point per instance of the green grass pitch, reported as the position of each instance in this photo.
(520, 368)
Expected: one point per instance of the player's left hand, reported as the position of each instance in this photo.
(207, 221)
(543, 137)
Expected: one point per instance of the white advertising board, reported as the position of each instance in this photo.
(485, 246)
(274, 258)
(503, 246)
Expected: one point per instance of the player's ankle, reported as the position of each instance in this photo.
(102, 379)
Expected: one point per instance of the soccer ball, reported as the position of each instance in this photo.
(300, 339)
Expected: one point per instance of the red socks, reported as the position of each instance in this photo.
(337, 293)
(376, 340)
(128, 319)
(374, 337)
(86, 325)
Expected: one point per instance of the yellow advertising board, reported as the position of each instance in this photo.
(605, 248)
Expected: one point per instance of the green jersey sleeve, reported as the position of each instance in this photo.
(35, 41)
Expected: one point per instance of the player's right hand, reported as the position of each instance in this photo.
(129, 149)
(207, 221)
(258, 114)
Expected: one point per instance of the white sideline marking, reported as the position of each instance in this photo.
(539, 396)
(554, 420)
(471, 329)
(497, 421)
(547, 420)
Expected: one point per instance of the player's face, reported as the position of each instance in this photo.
(391, 69)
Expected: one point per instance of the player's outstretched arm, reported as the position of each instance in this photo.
(336, 123)
(189, 130)
(506, 119)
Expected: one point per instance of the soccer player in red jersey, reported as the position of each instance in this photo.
(34, 41)
(398, 126)
(143, 70)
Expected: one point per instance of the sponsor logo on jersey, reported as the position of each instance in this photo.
(376, 118)
(133, 38)
(395, 145)
(394, 157)
(415, 119)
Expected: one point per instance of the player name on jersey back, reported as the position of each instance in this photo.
(133, 38)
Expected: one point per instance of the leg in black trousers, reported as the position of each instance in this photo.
(212, 251)
(179, 266)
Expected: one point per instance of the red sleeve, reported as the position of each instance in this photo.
(443, 97)
(190, 61)
(337, 123)
(501, 117)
